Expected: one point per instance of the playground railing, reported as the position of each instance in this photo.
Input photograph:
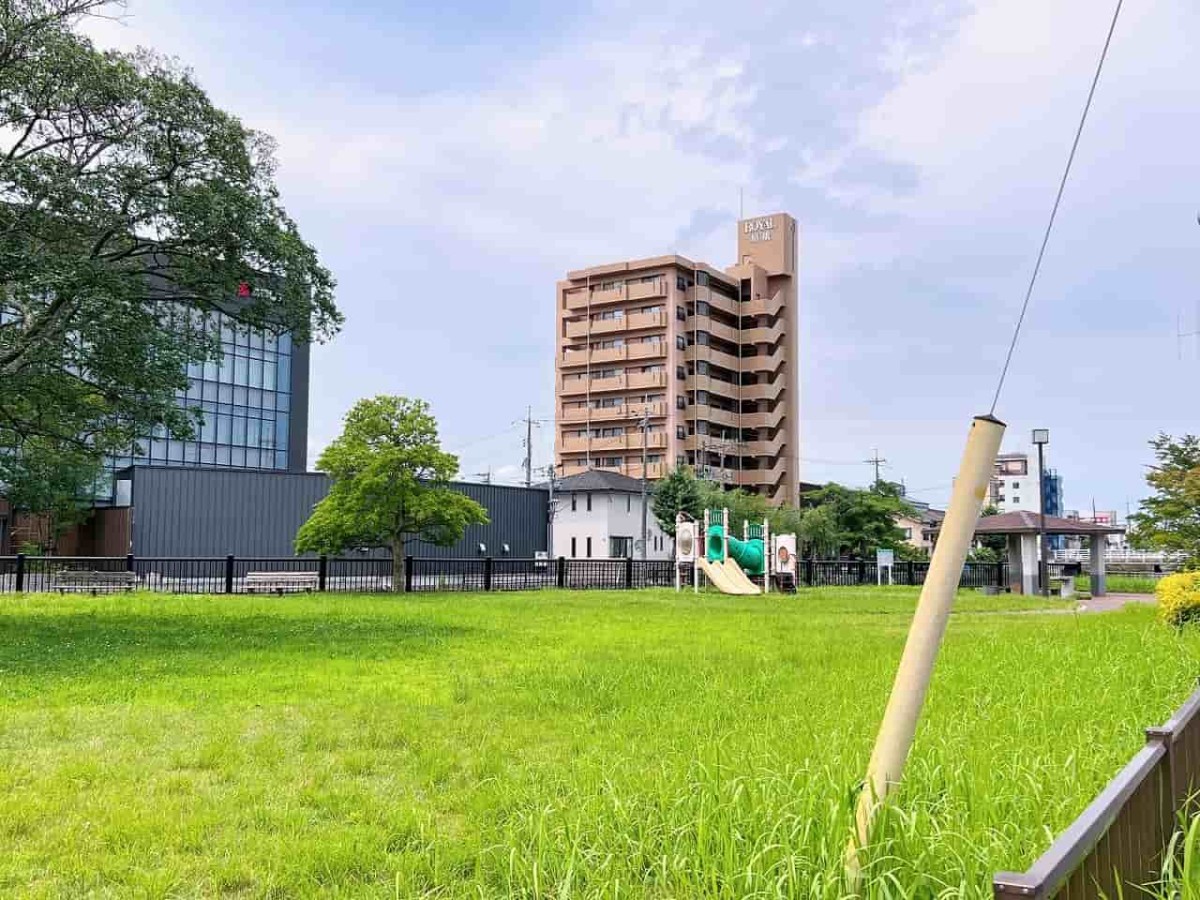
(1118, 845)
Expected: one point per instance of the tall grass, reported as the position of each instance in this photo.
(552, 745)
(1130, 584)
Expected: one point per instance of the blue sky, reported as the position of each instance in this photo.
(451, 161)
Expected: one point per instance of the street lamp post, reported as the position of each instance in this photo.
(1041, 437)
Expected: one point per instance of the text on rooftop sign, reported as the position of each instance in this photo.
(759, 229)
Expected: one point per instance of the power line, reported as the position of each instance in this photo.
(1062, 185)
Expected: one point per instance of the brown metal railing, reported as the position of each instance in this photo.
(1116, 847)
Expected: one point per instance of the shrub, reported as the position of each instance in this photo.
(1179, 598)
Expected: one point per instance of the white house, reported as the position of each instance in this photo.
(598, 515)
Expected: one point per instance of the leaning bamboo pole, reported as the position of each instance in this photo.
(925, 635)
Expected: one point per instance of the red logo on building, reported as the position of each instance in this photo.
(243, 289)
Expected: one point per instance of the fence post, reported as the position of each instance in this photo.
(862, 571)
(487, 573)
(809, 567)
(20, 572)
(1165, 737)
(128, 562)
(408, 574)
(229, 574)
(1000, 579)
(560, 574)
(322, 572)
(628, 572)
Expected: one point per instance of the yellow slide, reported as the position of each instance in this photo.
(728, 577)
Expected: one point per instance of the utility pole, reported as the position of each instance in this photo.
(877, 461)
(645, 441)
(486, 476)
(550, 512)
(528, 447)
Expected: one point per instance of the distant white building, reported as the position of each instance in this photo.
(598, 515)
(1014, 484)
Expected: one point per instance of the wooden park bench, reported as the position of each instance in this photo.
(93, 582)
(281, 582)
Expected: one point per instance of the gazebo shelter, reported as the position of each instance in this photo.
(1021, 530)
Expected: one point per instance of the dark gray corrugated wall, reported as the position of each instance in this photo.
(179, 511)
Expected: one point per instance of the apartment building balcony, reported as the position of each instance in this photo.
(645, 290)
(714, 414)
(764, 334)
(764, 419)
(764, 306)
(698, 352)
(655, 440)
(717, 473)
(713, 327)
(572, 387)
(768, 363)
(646, 350)
(576, 300)
(572, 358)
(616, 325)
(613, 413)
(635, 380)
(653, 470)
(765, 391)
(624, 382)
(715, 300)
(766, 448)
(613, 383)
(768, 477)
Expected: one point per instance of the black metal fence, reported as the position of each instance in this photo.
(843, 573)
(227, 574)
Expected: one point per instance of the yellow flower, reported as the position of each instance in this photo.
(1179, 598)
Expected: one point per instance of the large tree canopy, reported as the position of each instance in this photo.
(1170, 518)
(390, 484)
(130, 207)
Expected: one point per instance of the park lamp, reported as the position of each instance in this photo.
(1041, 436)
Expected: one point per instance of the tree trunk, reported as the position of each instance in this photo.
(398, 573)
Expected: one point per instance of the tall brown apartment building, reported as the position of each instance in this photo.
(703, 362)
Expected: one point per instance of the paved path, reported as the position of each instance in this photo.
(1109, 602)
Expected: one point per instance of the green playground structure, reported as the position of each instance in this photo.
(749, 554)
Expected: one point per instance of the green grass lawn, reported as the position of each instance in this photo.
(557, 745)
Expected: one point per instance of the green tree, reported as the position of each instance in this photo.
(1170, 518)
(390, 484)
(743, 506)
(48, 483)
(818, 533)
(997, 544)
(132, 210)
(678, 492)
(866, 520)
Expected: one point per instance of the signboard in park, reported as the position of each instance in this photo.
(884, 559)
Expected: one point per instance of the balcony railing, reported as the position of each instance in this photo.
(617, 325)
(655, 440)
(647, 350)
(606, 413)
(645, 289)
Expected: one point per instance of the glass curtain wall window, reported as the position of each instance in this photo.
(245, 400)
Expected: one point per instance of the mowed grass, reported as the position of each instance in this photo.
(557, 745)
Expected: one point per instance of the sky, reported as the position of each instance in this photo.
(451, 161)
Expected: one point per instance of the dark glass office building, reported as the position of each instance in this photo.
(255, 406)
